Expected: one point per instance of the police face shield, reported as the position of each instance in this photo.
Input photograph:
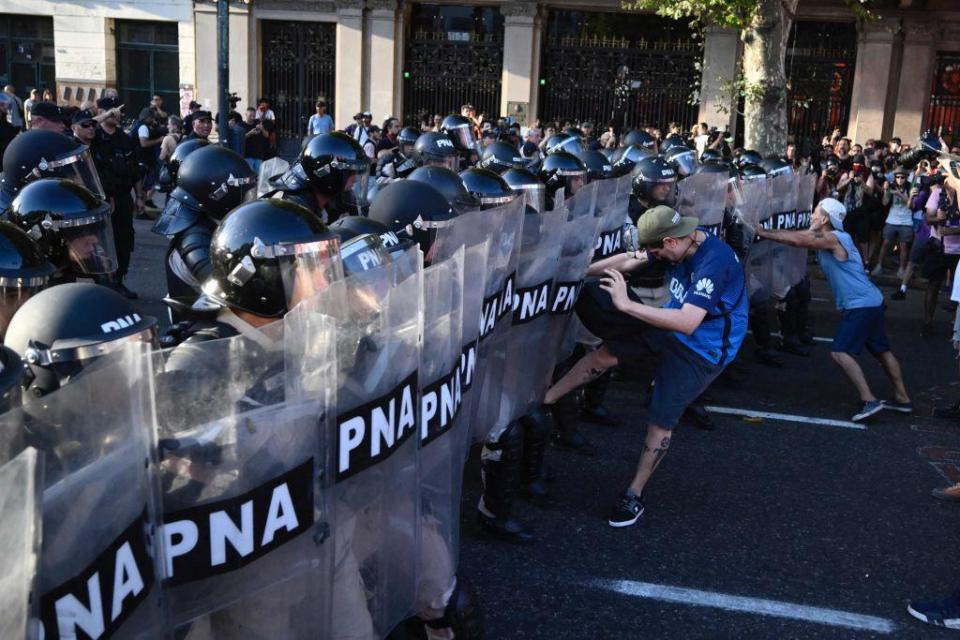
(661, 192)
(535, 194)
(492, 202)
(358, 184)
(447, 162)
(307, 268)
(89, 243)
(463, 137)
(363, 253)
(77, 167)
(236, 189)
(685, 163)
(573, 182)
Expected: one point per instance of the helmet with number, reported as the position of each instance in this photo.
(499, 156)
(168, 172)
(361, 252)
(436, 149)
(655, 182)
(413, 210)
(407, 138)
(523, 182)
(626, 159)
(488, 187)
(775, 166)
(639, 138)
(349, 227)
(212, 181)
(683, 160)
(39, 153)
(24, 271)
(460, 131)
(751, 171)
(562, 170)
(267, 255)
(713, 156)
(671, 141)
(331, 163)
(747, 156)
(598, 166)
(70, 224)
(448, 184)
(63, 329)
(564, 142)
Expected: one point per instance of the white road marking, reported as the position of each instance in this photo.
(777, 334)
(784, 417)
(758, 606)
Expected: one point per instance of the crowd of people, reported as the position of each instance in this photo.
(671, 287)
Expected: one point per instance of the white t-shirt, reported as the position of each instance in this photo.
(267, 115)
(900, 213)
(144, 131)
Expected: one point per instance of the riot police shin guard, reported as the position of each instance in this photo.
(536, 435)
(566, 435)
(593, 395)
(461, 619)
(790, 326)
(760, 326)
(501, 464)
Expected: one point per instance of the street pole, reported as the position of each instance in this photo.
(223, 69)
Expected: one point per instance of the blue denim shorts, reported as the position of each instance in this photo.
(861, 328)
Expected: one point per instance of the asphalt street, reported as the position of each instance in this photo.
(759, 529)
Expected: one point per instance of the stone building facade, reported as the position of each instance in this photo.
(525, 58)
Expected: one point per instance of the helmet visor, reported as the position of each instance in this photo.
(90, 245)
(463, 138)
(359, 185)
(308, 268)
(364, 253)
(685, 163)
(536, 195)
(77, 167)
(448, 162)
(661, 192)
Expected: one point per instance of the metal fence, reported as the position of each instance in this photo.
(944, 110)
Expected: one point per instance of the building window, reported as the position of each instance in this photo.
(944, 111)
(27, 53)
(148, 64)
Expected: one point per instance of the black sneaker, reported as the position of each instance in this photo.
(941, 613)
(867, 409)
(899, 294)
(627, 511)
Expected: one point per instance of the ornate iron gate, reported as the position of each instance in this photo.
(944, 110)
(820, 62)
(633, 69)
(454, 56)
(299, 63)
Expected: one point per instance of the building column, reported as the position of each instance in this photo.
(349, 67)
(382, 54)
(205, 49)
(86, 59)
(521, 52)
(720, 55)
(876, 53)
(913, 94)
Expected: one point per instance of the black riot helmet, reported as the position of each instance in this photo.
(499, 156)
(749, 171)
(712, 156)
(349, 227)
(562, 170)
(39, 153)
(168, 172)
(268, 255)
(523, 182)
(598, 166)
(212, 181)
(714, 168)
(775, 166)
(671, 141)
(70, 224)
(460, 131)
(413, 210)
(331, 163)
(488, 187)
(24, 271)
(626, 159)
(564, 142)
(406, 139)
(447, 183)
(361, 252)
(682, 159)
(639, 138)
(435, 149)
(655, 182)
(63, 329)
(747, 156)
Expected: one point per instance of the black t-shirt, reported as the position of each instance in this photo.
(115, 156)
(257, 146)
(385, 144)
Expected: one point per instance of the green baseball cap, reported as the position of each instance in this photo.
(663, 222)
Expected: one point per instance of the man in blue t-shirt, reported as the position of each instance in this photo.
(695, 335)
(858, 299)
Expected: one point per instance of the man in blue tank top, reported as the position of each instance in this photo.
(859, 301)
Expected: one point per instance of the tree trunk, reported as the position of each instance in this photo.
(764, 50)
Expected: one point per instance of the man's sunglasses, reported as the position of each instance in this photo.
(87, 125)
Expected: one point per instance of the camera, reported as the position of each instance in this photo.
(931, 180)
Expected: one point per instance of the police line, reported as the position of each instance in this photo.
(303, 482)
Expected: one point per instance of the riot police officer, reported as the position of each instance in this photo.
(411, 209)
(561, 170)
(598, 165)
(501, 156)
(211, 181)
(400, 162)
(462, 132)
(24, 271)
(449, 184)
(523, 182)
(626, 159)
(436, 149)
(330, 165)
(168, 172)
(487, 187)
(639, 138)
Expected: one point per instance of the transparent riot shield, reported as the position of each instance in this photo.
(806, 192)
(611, 207)
(270, 169)
(441, 448)
(750, 203)
(703, 196)
(372, 452)
(503, 227)
(21, 482)
(783, 215)
(245, 519)
(98, 560)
